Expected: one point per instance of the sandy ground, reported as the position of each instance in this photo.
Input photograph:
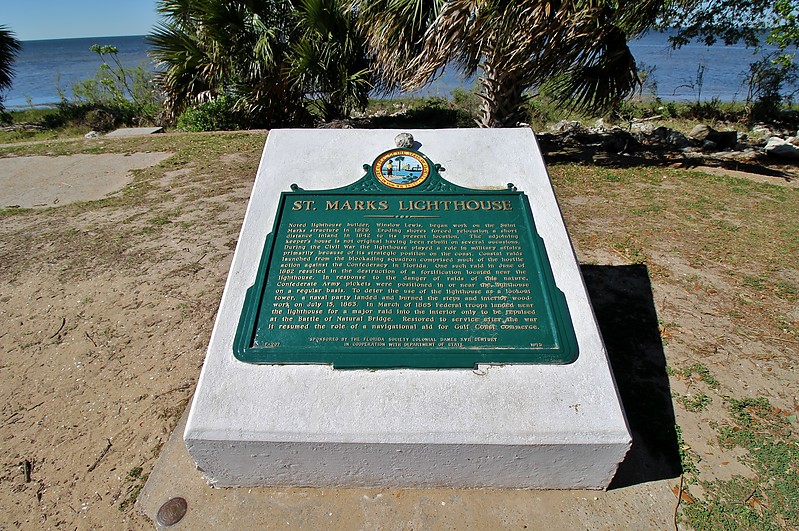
(107, 307)
(30, 182)
(105, 317)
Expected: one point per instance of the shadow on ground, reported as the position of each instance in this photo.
(625, 310)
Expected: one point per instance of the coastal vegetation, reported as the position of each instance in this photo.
(71, 119)
(579, 54)
(116, 95)
(127, 94)
(278, 63)
(284, 63)
(752, 23)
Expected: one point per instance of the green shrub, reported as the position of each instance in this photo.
(543, 111)
(218, 114)
(764, 85)
(128, 95)
(467, 103)
(101, 119)
(97, 116)
(671, 109)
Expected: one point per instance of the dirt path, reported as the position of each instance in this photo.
(38, 181)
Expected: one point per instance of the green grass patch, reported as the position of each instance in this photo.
(688, 458)
(631, 250)
(768, 501)
(697, 370)
(134, 482)
(742, 231)
(695, 402)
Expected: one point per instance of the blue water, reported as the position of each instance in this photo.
(672, 73)
(45, 67)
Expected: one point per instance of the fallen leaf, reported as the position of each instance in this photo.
(684, 496)
(754, 501)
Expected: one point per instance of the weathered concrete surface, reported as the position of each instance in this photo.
(135, 131)
(644, 506)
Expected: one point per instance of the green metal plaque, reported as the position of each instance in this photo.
(404, 269)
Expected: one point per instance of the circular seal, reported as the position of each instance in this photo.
(401, 168)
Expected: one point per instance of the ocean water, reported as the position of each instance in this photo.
(45, 69)
(671, 74)
(674, 73)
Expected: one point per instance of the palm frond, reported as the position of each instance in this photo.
(514, 45)
(9, 48)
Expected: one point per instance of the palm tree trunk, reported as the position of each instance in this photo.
(503, 100)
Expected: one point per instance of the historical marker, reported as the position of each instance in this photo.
(404, 269)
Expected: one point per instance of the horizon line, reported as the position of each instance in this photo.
(89, 37)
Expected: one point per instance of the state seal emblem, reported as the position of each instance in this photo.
(401, 169)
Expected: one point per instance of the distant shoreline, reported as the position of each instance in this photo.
(47, 68)
(82, 38)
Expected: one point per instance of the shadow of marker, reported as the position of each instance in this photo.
(625, 310)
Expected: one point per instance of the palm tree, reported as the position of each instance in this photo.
(275, 57)
(395, 31)
(208, 48)
(579, 47)
(9, 48)
(329, 62)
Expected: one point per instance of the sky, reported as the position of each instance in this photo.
(65, 19)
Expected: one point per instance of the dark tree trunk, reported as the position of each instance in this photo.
(503, 99)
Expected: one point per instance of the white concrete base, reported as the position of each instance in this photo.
(513, 426)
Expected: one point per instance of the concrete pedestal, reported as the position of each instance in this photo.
(513, 426)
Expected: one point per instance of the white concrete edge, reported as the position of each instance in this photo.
(568, 238)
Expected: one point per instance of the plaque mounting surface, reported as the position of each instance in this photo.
(404, 269)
